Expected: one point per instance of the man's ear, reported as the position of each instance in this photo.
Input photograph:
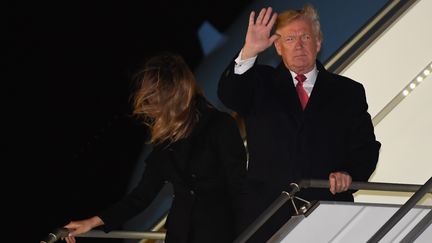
(318, 45)
(278, 47)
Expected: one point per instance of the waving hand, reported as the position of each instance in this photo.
(258, 36)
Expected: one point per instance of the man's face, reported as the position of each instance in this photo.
(298, 46)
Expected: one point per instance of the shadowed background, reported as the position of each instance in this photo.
(71, 143)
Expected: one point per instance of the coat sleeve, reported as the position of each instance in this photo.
(141, 196)
(363, 146)
(236, 91)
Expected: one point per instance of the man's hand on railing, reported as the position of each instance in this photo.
(339, 182)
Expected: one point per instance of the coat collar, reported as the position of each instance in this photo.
(322, 92)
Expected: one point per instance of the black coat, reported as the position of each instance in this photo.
(207, 171)
(285, 143)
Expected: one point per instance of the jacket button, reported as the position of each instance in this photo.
(193, 176)
(192, 192)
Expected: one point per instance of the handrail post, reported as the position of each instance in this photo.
(418, 229)
(412, 201)
(264, 216)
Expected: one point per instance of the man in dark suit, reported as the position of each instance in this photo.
(301, 120)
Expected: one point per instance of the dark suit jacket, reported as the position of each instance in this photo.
(207, 171)
(285, 143)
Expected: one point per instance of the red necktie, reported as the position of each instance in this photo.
(303, 96)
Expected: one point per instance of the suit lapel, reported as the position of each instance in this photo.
(322, 92)
(287, 93)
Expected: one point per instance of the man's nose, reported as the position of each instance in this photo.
(298, 43)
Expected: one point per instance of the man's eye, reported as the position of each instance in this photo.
(306, 37)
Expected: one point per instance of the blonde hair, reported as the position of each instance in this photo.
(308, 13)
(165, 98)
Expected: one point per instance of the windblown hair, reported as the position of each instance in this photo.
(165, 98)
(308, 13)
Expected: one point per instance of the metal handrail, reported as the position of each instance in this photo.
(418, 229)
(263, 217)
(154, 234)
(62, 232)
(358, 185)
(121, 234)
(401, 212)
(158, 227)
(420, 190)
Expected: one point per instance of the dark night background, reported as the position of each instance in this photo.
(70, 140)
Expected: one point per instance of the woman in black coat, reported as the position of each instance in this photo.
(196, 147)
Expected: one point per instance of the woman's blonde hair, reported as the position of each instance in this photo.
(308, 13)
(165, 98)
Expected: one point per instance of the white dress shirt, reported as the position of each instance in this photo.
(241, 66)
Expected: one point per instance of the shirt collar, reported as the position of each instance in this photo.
(311, 77)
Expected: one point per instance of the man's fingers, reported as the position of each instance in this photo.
(339, 182)
(251, 18)
(260, 17)
(272, 20)
(347, 181)
(344, 183)
(344, 180)
(332, 182)
(267, 15)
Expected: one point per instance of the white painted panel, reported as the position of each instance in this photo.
(385, 68)
(352, 222)
(393, 60)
